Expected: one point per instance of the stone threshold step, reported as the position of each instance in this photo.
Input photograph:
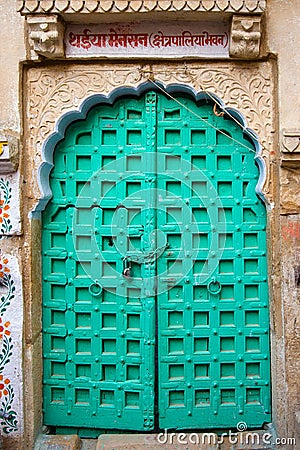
(170, 441)
(58, 442)
(185, 441)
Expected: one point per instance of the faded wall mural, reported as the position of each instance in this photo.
(11, 315)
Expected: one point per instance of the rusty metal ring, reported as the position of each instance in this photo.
(216, 113)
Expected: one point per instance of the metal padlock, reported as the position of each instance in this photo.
(126, 268)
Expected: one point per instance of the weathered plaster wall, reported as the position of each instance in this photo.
(12, 51)
(283, 22)
(283, 40)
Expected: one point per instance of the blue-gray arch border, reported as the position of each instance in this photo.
(97, 99)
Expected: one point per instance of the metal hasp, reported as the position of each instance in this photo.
(155, 295)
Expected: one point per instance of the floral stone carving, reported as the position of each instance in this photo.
(54, 93)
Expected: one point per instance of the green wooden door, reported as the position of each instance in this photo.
(155, 298)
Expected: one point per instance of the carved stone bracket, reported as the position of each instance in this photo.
(291, 141)
(290, 152)
(245, 36)
(290, 172)
(45, 36)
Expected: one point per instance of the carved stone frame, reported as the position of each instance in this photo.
(56, 91)
(243, 87)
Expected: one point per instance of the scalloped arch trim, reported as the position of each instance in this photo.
(134, 6)
(97, 99)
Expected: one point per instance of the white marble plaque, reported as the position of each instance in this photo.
(153, 40)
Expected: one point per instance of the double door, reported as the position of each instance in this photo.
(155, 297)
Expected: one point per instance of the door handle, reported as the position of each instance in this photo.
(95, 289)
(214, 286)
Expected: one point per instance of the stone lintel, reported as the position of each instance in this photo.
(45, 29)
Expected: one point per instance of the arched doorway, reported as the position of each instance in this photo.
(155, 296)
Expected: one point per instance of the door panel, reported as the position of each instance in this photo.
(213, 339)
(100, 325)
(154, 246)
